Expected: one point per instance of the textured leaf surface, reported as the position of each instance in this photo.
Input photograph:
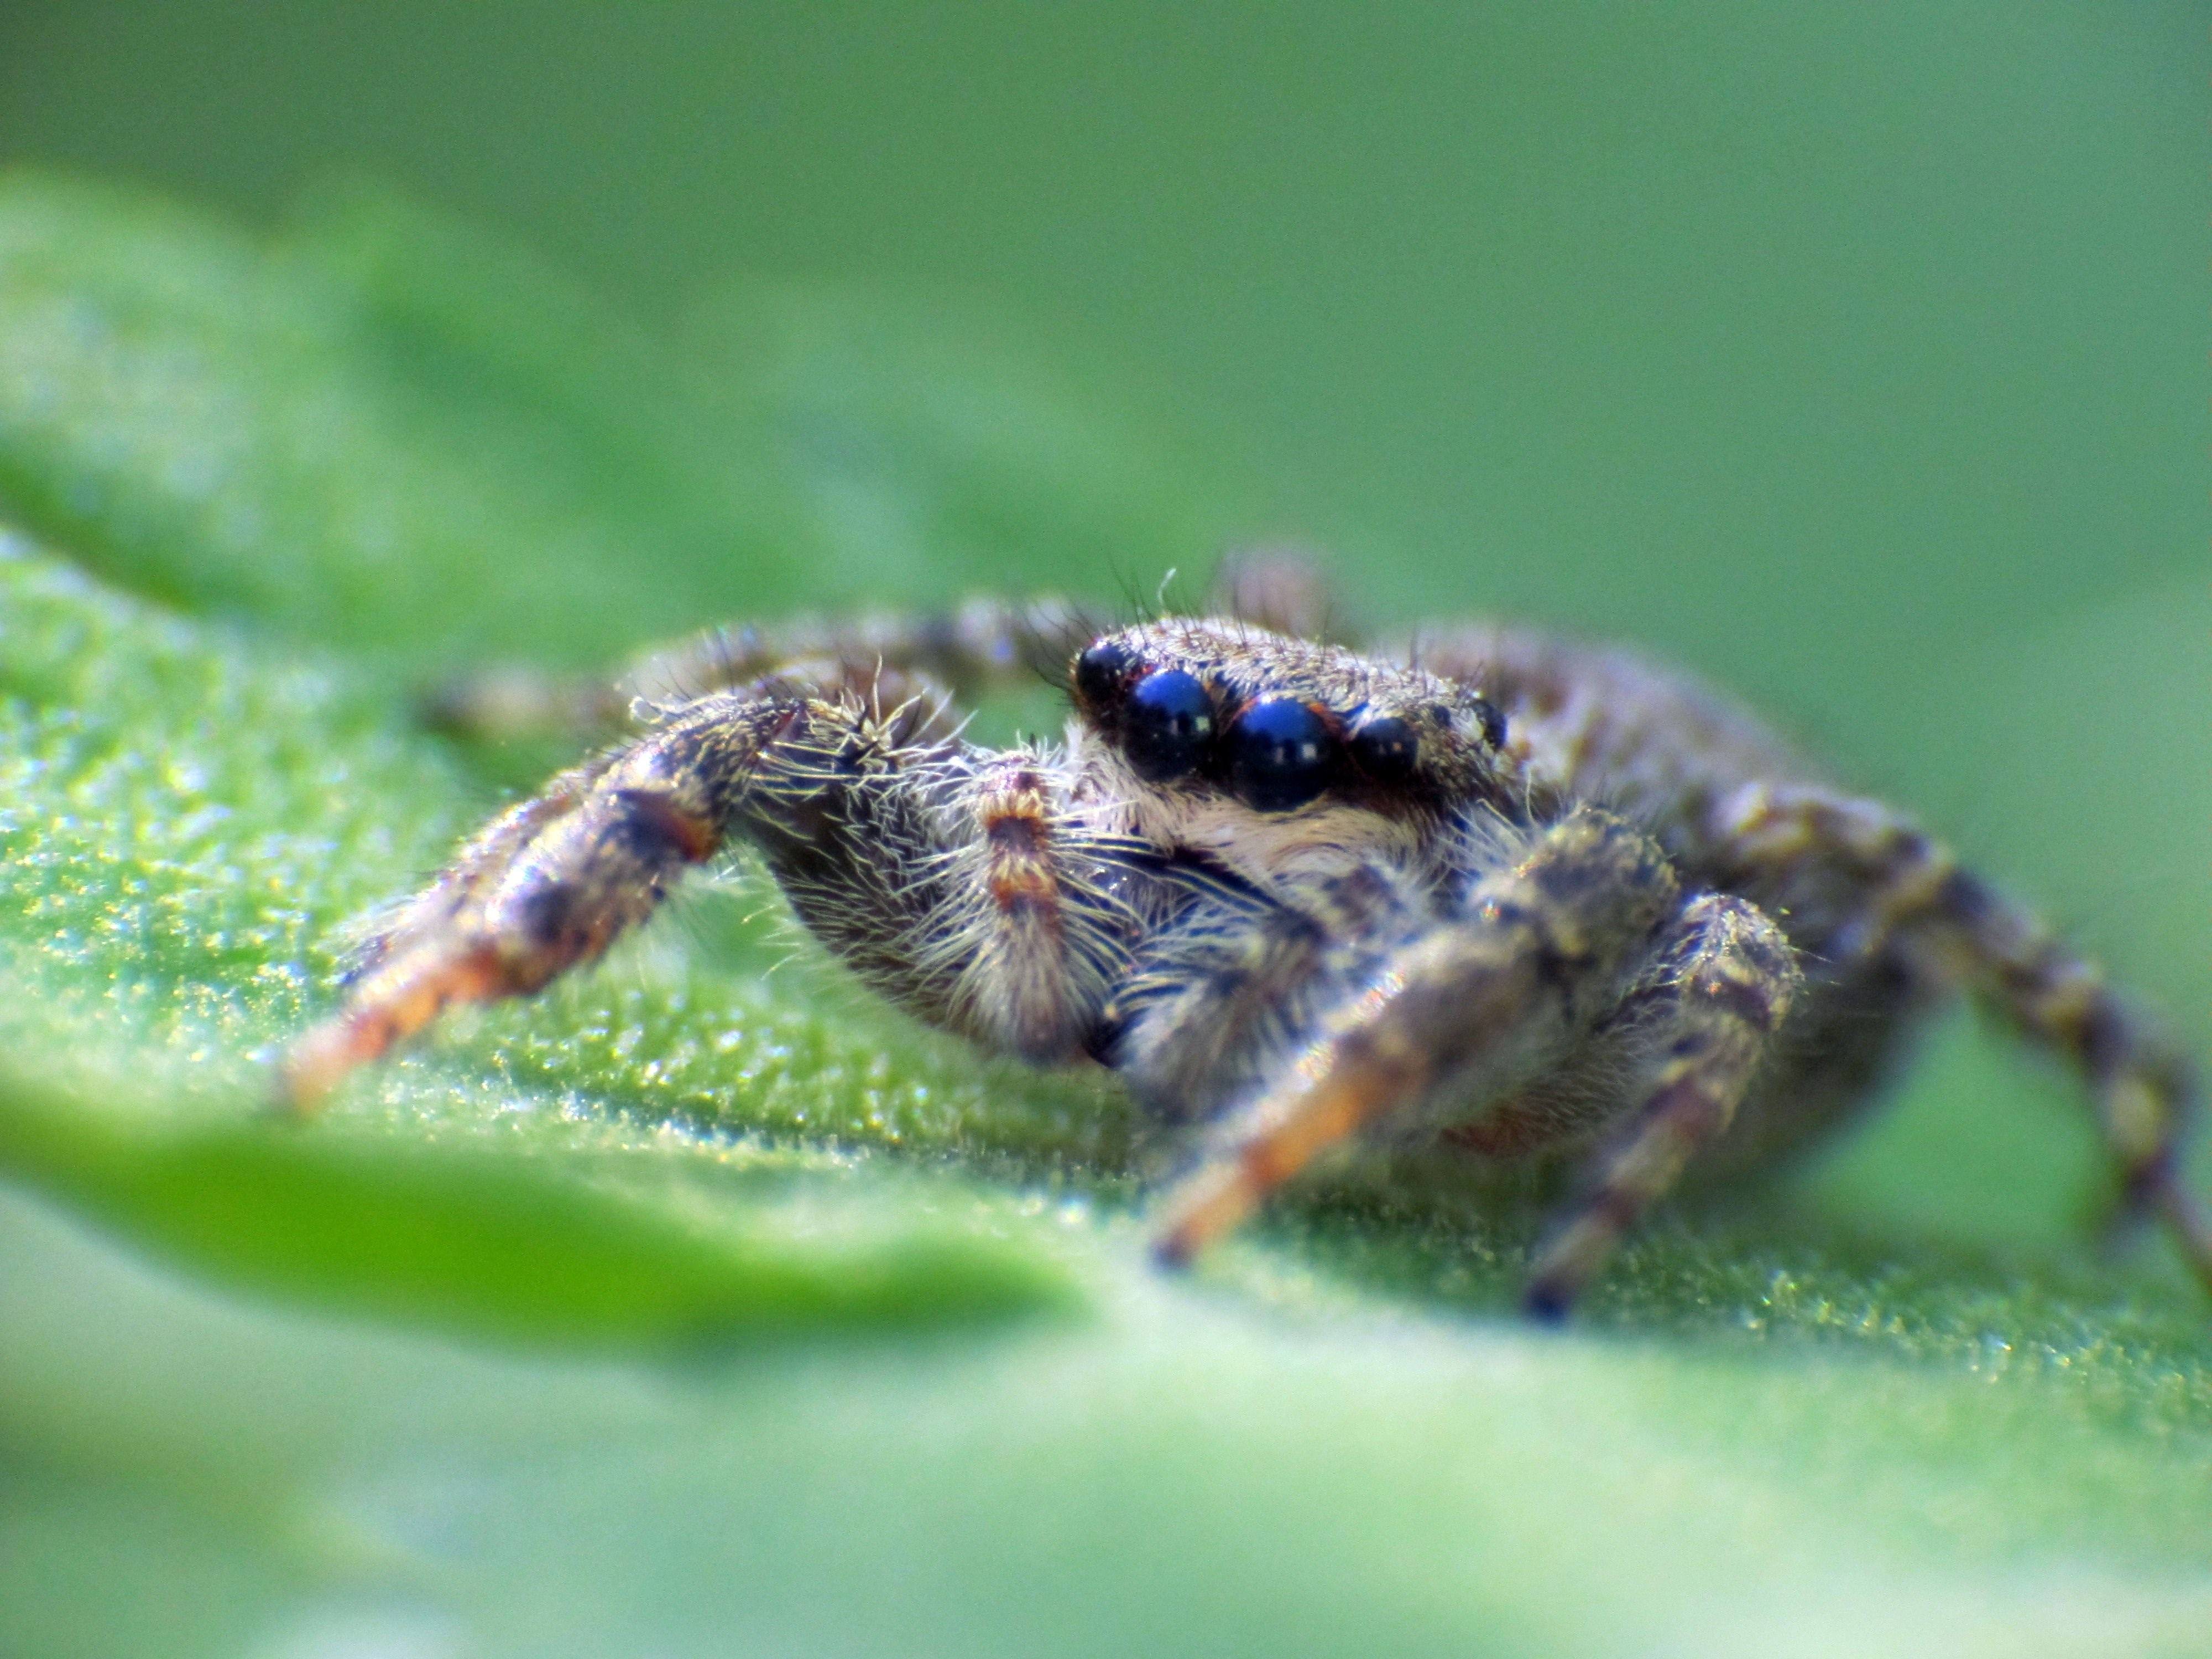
(677, 1311)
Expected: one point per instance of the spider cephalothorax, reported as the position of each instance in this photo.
(1536, 899)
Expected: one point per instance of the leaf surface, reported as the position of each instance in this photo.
(702, 1304)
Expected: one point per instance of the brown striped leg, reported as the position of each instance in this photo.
(976, 646)
(969, 649)
(1701, 1015)
(1215, 1003)
(544, 887)
(972, 892)
(1474, 1002)
(2145, 1087)
(396, 981)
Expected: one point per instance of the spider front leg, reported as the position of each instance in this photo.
(966, 886)
(1475, 1006)
(1697, 1020)
(1916, 896)
(546, 885)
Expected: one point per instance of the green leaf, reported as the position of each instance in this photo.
(544, 1339)
(254, 430)
(385, 433)
(484, 1242)
(184, 823)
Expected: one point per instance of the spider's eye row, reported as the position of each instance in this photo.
(1167, 725)
(1280, 755)
(1275, 753)
(1385, 748)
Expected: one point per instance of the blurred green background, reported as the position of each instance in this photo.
(1813, 341)
(1835, 349)
(1855, 355)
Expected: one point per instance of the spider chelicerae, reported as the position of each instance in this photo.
(1539, 899)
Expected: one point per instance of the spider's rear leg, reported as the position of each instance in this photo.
(2144, 1086)
(979, 645)
(1700, 1016)
(969, 649)
(1474, 1003)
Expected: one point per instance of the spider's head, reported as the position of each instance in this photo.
(1221, 711)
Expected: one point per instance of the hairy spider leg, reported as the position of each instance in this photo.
(981, 644)
(2145, 1088)
(1215, 1005)
(1474, 1002)
(961, 886)
(544, 886)
(1700, 1016)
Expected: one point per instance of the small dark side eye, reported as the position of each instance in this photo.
(1102, 671)
(1385, 748)
(1280, 755)
(1494, 723)
(1167, 725)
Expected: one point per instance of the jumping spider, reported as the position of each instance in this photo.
(1538, 899)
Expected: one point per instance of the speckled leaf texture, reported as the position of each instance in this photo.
(702, 1306)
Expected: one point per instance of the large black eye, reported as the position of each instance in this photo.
(1385, 749)
(1166, 725)
(1279, 755)
(1101, 671)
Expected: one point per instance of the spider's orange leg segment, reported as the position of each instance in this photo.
(544, 887)
(1474, 1003)
(966, 891)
